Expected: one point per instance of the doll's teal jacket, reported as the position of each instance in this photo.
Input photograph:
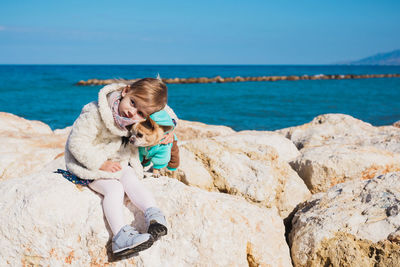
(159, 154)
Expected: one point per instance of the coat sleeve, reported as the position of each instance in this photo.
(171, 113)
(81, 140)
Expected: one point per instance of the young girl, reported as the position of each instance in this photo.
(95, 152)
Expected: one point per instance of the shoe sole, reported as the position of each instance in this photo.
(157, 230)
(132, 250)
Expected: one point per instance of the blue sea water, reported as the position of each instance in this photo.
(47, 93)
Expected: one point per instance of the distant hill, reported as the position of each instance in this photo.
(390, 58)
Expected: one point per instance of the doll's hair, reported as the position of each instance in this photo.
(149, 94)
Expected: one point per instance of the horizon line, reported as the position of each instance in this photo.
(186, 64)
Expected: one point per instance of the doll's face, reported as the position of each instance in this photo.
(128, 108)
(146, 133)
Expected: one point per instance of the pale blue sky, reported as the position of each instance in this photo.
(196, 32)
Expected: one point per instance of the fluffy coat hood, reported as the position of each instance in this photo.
(105, 109)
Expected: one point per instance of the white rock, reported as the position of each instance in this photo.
(12, 123)
(194, 173)
(322, 167)
(63, 132)
(338, 147)
(239, 165)
(286, 149)
(26, 145)
(48, 221)
(353, 224)
(188, 130)
(343, 129)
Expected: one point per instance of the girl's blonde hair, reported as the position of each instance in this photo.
(150, 94)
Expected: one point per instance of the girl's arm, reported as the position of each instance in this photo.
(80, 141)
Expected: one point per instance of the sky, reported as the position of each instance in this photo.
(196, 32)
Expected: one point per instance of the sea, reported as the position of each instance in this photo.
(49, 93)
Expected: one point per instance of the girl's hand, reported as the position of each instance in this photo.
(168, 138)
(110, 166)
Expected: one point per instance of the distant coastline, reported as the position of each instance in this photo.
(381, 59)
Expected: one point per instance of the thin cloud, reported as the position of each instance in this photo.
(2, 28)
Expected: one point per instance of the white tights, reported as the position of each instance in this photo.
(114, 191)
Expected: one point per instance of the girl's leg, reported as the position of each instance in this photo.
(126, 240)
(113, 193)
(144, 200)
(140, 196)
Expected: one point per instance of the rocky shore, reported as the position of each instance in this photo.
(219, 79)
(326, 193)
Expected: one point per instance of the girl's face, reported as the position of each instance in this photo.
(128, 108)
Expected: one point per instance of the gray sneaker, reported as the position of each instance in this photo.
(156, 223)
(129, 241)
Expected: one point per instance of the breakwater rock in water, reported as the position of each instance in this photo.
(219, 79)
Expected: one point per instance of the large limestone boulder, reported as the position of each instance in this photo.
(48, 221)
(26, 145)
(356, 223)
(286, 149)
(246, 165)
(187, 130)
(343, 129)
(322, 167)
(335, 148)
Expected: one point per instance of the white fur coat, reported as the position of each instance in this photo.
(95, 138)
